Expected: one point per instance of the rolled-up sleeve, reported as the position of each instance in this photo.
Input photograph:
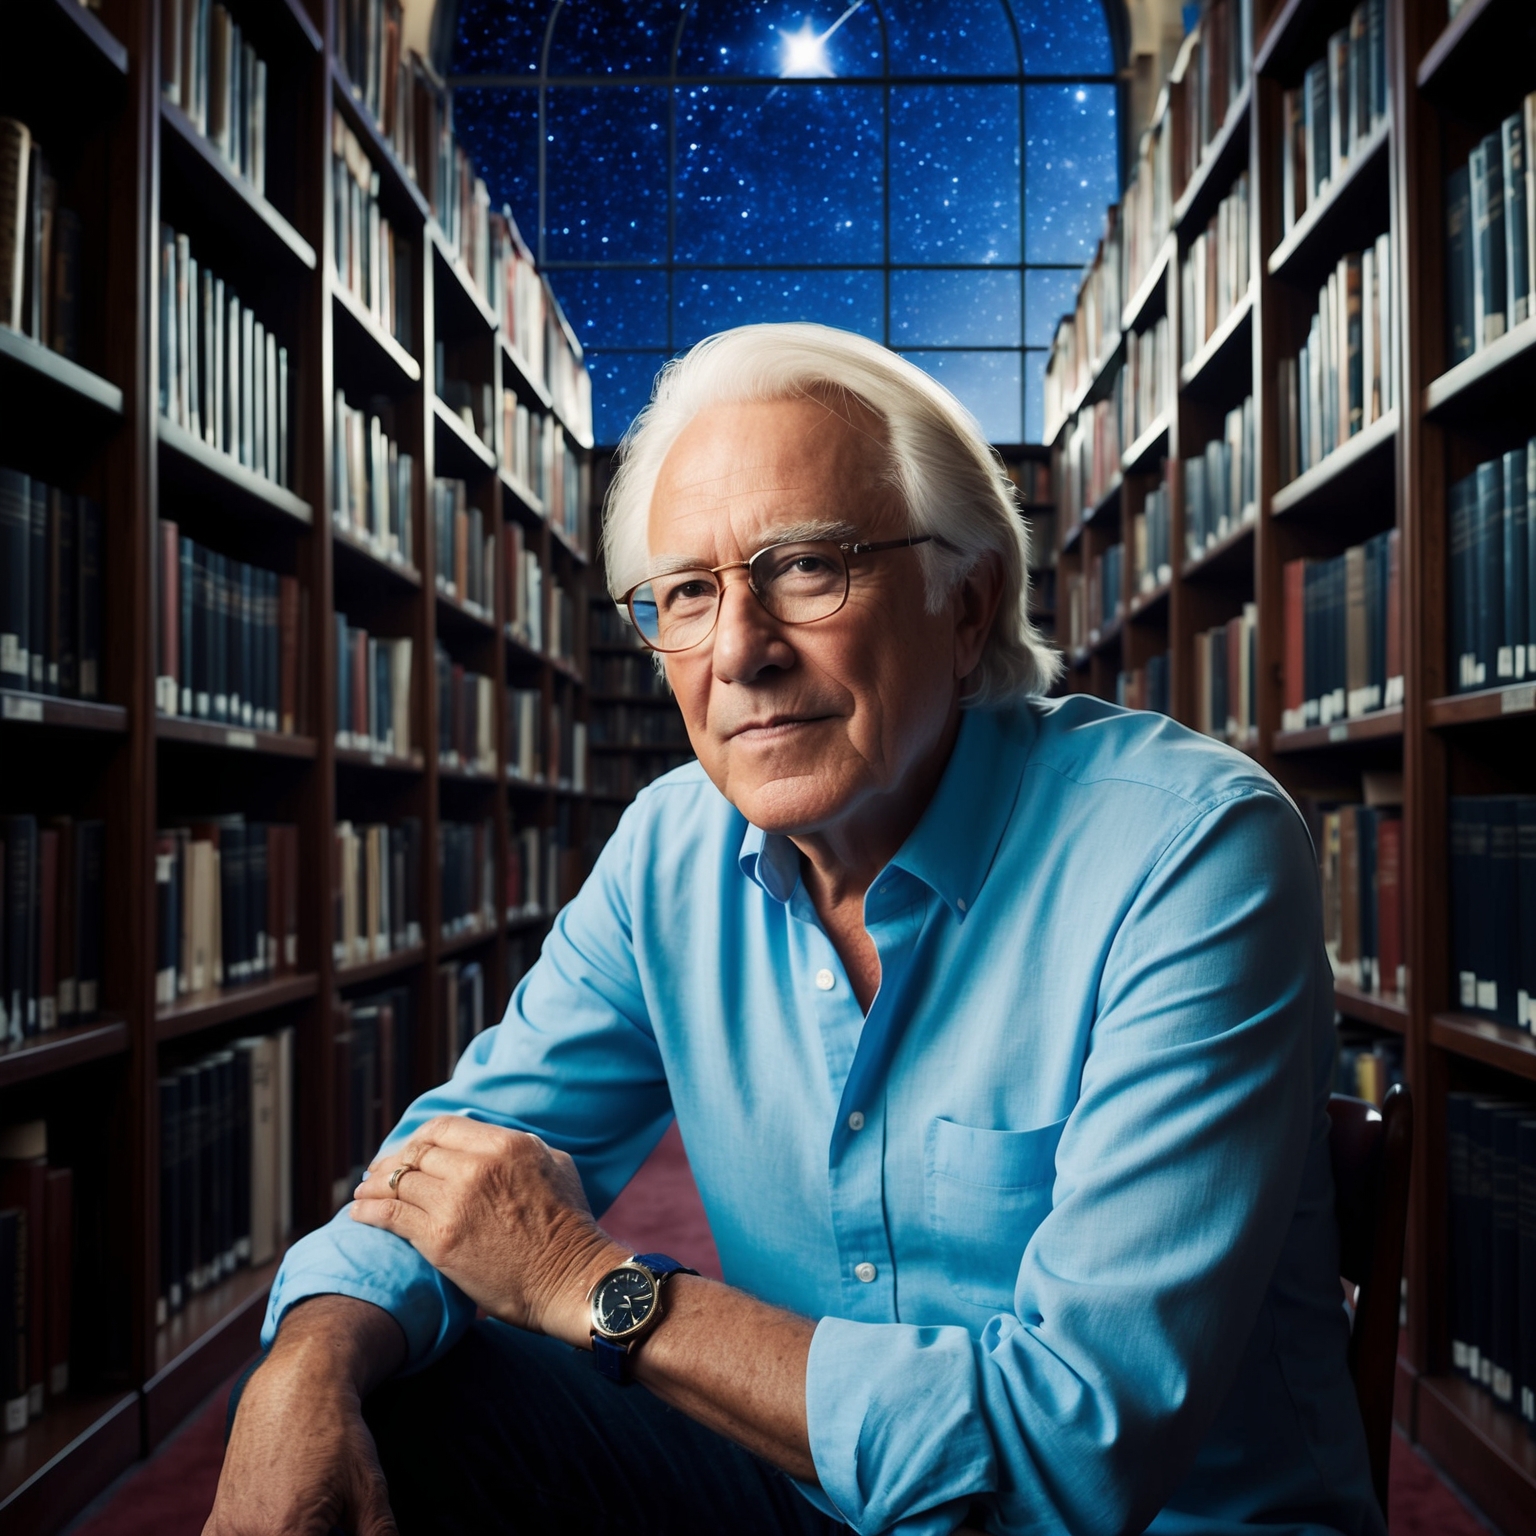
(1177, 1176)
(574, 1061)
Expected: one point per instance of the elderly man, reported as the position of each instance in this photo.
(998, 1031)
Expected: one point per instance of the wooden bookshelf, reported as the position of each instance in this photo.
(90, 82)
(1449, 83)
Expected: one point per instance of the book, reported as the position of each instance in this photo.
(1492, 563)
(13, 1319)
(1525, 1258)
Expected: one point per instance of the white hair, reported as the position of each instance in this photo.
(948, 476)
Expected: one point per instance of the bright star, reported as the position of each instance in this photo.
(805, 51)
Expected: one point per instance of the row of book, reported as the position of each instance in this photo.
(373, 691)
(1329, 118)
(1493, 571)
(1032, 480)
(525, 733)
(1490, 226)
(465, 548)
(39, 246)
(628, 725)
(461, 1005)
(1491, 1206)
(1343, 634)
(1366, 1067)
(230, 638)
(372, 480)
(373, 259)
(638, 674)
(1493, 906)
(472, 403)
(525, 589)
(223, 373)
(1215, 271)
(1144, 687)
(1214, 76)
(567, 764)
(460, 201)
(466, 867)
(370, 40)
(50, 924)
(1146, 209)
(50, 588)
(1360, 855)
(1226, 691)
(373, 1045)
(1106, 602)
(37, 1220)
(227, 905)
(1221, 484)
(466, 721)
(535, 871)
(1152, 541)
(376, 890)
(623, 775)
(1345, 375)
(1090, 459)
(1146, 387)
(215, 77)
(226, 1165)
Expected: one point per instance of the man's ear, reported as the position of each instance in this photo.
(976, 601)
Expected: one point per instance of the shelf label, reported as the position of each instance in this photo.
(1339, 732)
(246, 739)
(23, 709)
(1512, 701)
(376, 759)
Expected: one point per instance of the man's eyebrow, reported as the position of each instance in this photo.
(839, 530)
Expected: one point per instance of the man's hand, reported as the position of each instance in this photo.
(501, 1214)
(301, 1461)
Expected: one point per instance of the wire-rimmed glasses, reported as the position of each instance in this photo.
(798, 582)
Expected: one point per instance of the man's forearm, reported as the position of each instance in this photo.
(735, 1364)
(341, 1341)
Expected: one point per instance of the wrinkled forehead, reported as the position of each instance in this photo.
(741, 476)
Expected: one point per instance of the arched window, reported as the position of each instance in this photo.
(930, 173)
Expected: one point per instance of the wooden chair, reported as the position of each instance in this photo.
(1371, 1150)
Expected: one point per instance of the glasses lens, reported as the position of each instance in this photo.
(674, 612)
(799, 583)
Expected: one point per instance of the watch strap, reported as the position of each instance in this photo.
(661, 1265)
(610, 1356)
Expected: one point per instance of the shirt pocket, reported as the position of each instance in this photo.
(987, 1191)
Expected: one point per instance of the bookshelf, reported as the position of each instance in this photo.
(1449, 81)
(443, 371)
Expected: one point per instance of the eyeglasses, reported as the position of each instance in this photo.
(798, 582)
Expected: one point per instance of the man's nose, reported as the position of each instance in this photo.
(748, 640)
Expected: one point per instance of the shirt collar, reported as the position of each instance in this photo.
(956, 840)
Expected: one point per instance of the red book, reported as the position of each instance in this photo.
(1389, 905)
(167, 680)
(48, 930)
(358, 639)
(58, 1274)
(1295, 638)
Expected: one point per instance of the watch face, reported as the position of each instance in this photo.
(623, 1302)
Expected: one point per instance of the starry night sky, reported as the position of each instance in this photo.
(913, 211)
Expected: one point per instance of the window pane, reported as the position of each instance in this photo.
(614, 307)
(614, 37)
(621, 387)
(499, 37)
(955, 173)
(606, 176)
(954, 309)
(1034, 396)
(707, 302)
(941, 37)
(1069, 168)
(985, 383)
(1047, 297)
(1065, 37)
(499, 129)
(767, 174)
(768, 37)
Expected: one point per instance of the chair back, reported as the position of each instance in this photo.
(1371, 1150)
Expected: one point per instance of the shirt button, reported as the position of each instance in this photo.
(961, 904)
(856, 1120)
(825, 980)
(866, 1272)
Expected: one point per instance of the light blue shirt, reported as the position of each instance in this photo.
(1061, 1202)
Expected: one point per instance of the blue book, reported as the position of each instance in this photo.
(1463, 607)
(1487, 556)
(1517, 256)
(1460, 341)
(1511, 656)
(1490, 288)
(1498, 976)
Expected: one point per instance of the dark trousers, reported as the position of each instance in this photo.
(512, 1432)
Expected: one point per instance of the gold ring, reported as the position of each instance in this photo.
(397, 1175)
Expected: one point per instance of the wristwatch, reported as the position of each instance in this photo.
(626, 1305)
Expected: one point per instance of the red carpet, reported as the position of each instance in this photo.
(171, 1494)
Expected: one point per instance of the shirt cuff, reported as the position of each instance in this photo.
(347, 1258)
(896, 1425)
